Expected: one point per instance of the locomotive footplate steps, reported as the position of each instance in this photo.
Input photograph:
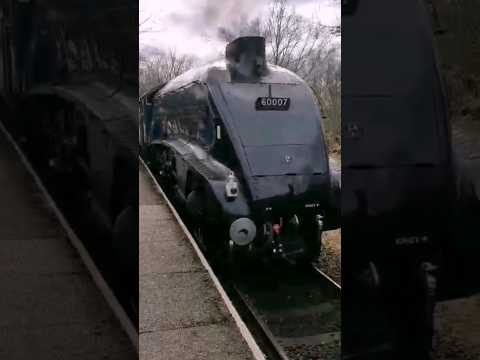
(184, 312)
(50, 308)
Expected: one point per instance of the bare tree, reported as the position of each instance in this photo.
(294, 42)
(327, 86)
(288, 36)
(161, 68)
(459, 49)
(307, 48)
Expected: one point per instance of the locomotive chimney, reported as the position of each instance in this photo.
(246, 58)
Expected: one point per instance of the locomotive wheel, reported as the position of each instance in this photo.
(202, 231)
(164, 166)
(199, 232)
(413, 313)
(308, 258)
(238, 262)
(313, 246)
(427, 289)
(224, 258)
(209, 241)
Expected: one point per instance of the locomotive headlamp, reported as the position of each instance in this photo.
(242, 231)
(231, 187)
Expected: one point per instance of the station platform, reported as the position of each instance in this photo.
(50, 307)
(183, 312)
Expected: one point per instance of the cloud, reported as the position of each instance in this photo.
(149, 51)
(199, 27)
(230, 11)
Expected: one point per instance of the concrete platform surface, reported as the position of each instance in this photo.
(50, 307)
(182, 315)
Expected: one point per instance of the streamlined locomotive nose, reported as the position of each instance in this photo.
(284, 160)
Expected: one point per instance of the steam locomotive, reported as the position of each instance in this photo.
(399, 198)
(240, 143)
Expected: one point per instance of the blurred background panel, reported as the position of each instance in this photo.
(410, 174)
(68, 96)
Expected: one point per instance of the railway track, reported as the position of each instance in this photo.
(295, 313)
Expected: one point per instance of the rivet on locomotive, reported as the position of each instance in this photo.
(240, 143)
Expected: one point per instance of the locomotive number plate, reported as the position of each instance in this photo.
(411, 240)
(272, 103)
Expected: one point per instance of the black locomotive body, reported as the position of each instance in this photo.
(242, 143)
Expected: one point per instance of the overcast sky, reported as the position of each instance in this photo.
(191, 26)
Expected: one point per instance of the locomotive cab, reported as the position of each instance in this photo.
(240, 143)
